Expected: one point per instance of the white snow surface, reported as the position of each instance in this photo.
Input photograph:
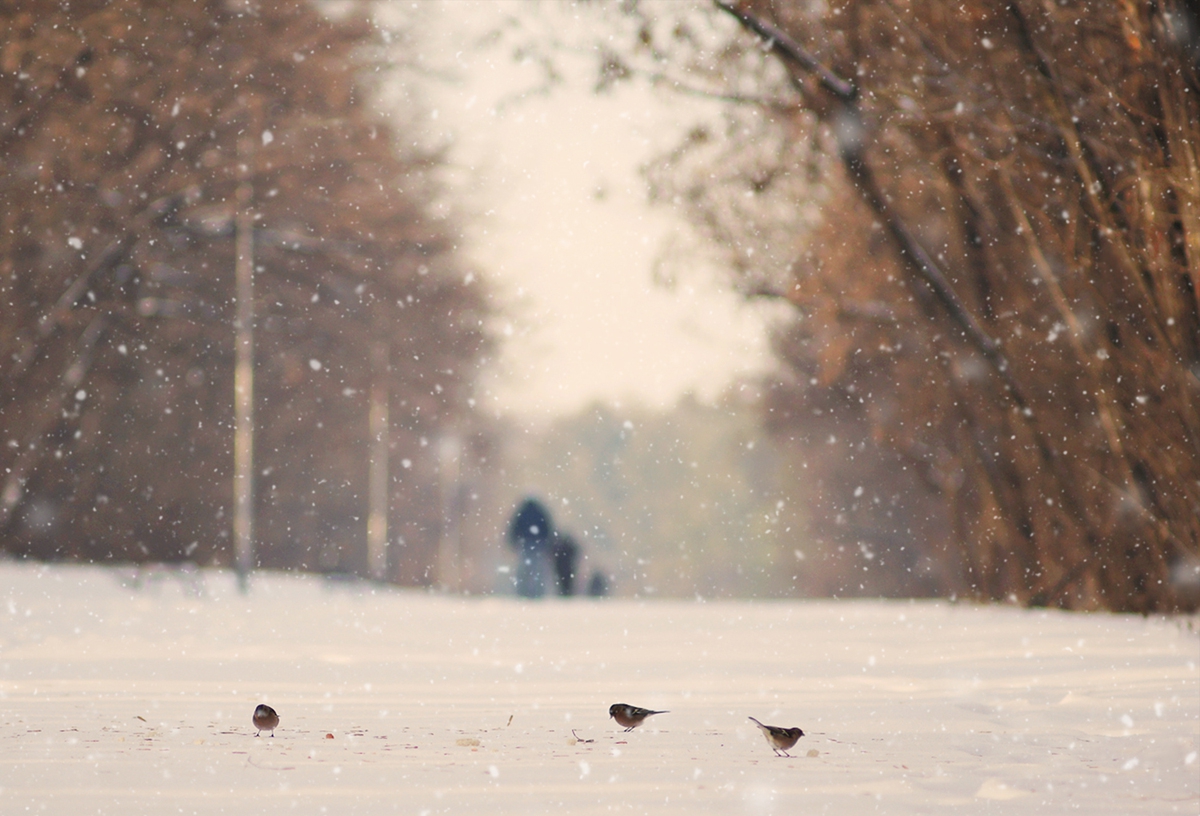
(117, 699)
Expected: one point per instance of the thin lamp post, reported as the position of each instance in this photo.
(243, 377)
(377, 512)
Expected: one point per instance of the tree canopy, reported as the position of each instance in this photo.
(987, 218)
(128, 129)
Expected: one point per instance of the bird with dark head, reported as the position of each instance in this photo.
(630, 717)
(265, 719)
(780, 739)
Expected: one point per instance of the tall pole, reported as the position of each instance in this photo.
(377, 512)
(243, 376)
(448, 556)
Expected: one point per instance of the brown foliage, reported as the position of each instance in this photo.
(125, 129)
(1004, 293)
(1046, 155)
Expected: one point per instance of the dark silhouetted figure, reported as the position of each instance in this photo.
(564, 553)
(598, 585)
(529, 535)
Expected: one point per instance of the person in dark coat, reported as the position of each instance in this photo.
(598, 585)
(529, 534)
(564, 554)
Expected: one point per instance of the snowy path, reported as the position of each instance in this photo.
(121, 701)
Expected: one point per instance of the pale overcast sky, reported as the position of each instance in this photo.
(564, 232)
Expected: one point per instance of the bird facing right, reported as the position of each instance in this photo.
(780, 739)
(265, 719)
(630, 717)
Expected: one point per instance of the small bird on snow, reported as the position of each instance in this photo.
(265, 719)
(780, 739)
(630, 716)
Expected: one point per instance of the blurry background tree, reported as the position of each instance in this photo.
(125, 129)
(994, 366)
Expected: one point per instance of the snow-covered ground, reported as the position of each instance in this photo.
(115, 699)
